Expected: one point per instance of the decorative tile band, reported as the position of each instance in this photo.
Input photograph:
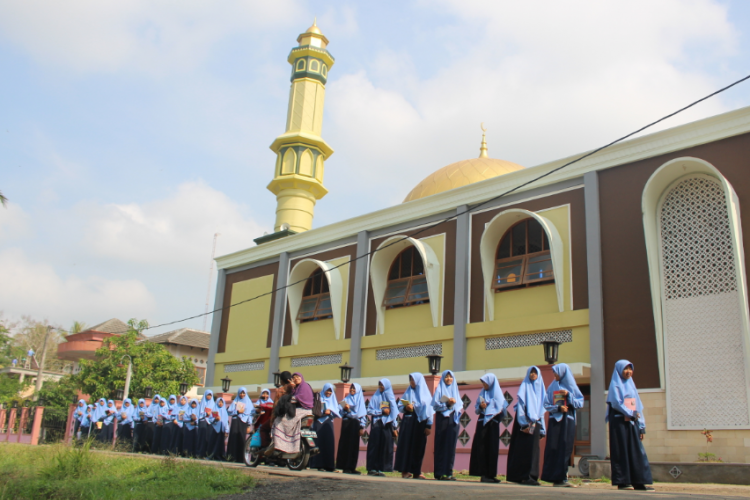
(328, 359)
(527, 340)
(416, 351)
(245, 367)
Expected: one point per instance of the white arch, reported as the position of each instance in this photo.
(381, 264)
(653, 193)
(495, 230)
(303, 270)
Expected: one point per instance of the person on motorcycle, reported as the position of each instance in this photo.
(287, 428)
(264, 408)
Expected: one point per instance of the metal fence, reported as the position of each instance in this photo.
(54, 421)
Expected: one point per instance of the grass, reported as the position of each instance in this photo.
(61, 472)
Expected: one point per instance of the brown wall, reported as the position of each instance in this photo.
(578, 243)
(449, 228)
(628, 316)
(233, 278)
(347, 251)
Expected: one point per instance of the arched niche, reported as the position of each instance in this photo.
(495, 230)
(301, 271)
(657, 186)
(381, 264)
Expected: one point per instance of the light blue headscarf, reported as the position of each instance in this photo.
(172, 406)
(181, 407)
(221, 424)
(567, 382)
(86, 420)
(108, 420)
(382, 397)
(128, 411)
(163, 411)
(452, 392)
(330, 402)
(421, 397)
(100, 410)
(81, 408)
(531, 396)
(496, 403)
(153, 408)
(621, 388)
(267, 391)
(356, 403)
(205, 404)
(189, 412)
(247, 415)
(138, 409)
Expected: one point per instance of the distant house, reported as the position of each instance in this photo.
(192, 344)
(83, 345)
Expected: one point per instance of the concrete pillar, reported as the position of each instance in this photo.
(341, 391)
(461, 301)
(36, 430)
(361, 268)
(279, 315)
(596, 315)
(213, 345)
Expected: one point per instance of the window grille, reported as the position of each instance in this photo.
(527, 340)
(328, 359)
(245, 367)
(416, 351)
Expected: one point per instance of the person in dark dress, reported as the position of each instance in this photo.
(169, 417)
(140, 414)
(190, 429)
(205, 409)
(323, 427)
(383, 410)
(86, 424)
(158, 411)
(528, 429)
(561, 433)
(264, 407)
(219, 430)
(107, 433)
(241, 410)
(80, 412)
(448, 406)
(416, 405)
(630, 467)
(490, 407)
(125, 424)
(353, 423)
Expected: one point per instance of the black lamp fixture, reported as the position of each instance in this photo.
(277, 379)
(551, 349)
(148, 392)
(183, 388)
(27, 403)
(15, 404)
(226, 382)
(119, 393)
(346, 372)
(434, 361)
(41, 402)
(75, 399)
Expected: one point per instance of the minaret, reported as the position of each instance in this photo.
(301, 151)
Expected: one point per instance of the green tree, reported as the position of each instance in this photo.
(11, 388)
(3, 200)
(153, 366)
(77, 327)
(30, 334)
(59, 394)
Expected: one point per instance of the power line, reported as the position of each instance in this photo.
(470, 208)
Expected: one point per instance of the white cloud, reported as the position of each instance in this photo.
(174, 232)
(15, 223)
(91, 35)
(36, 289)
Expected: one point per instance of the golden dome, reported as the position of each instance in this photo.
(314, 28)
(462, 173)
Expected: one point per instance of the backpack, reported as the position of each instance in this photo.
(317, 409)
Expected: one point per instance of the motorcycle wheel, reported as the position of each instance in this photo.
(252, 459)
(300, 463)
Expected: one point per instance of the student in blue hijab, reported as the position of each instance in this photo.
(383, 410)
(190, 428)
(168, 414)
(179, 433)
(323, 427)
(241, 410)
(97, 418)
(416, 405)
(125, 423)
(353, 423)
(630, 467)
(448, 406)
(140, 416)
(490, 408)
(562, 400)
(80, 412)
(107, 433)
(205, 408)
(85, 428)
(219, 422)
(528, 429)
(153, 424)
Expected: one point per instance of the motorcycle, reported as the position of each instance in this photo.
(294, 461)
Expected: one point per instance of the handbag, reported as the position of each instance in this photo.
(255, 440)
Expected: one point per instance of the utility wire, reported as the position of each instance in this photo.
(470, 208)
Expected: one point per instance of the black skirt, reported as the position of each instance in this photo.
(167, 435)
(125, 434)
(237, 437)
(177, 434)
(139, 436)
(561, 437)
(523, 454)
(446, 436)
(106, 433)
(484, 448)
(380, 447)
(326, 441)
(188, 441)
(347, 455)
(411, 445)
(627, 455)
(201, 444)
(156, 442)
(215, 445)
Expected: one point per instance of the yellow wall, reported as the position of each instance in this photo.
(247, 331)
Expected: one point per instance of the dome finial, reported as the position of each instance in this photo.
(483, 148)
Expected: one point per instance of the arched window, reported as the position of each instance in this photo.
(523, 257)
(407, 283)
(314, 66)
(301, 65)
(316, 299)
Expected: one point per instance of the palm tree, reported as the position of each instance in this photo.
(3, 200)
(78, 327)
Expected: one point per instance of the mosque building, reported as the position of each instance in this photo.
(636, 252)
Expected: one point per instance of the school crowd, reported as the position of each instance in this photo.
(205, 430)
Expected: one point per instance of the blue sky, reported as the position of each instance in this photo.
(131, 132)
